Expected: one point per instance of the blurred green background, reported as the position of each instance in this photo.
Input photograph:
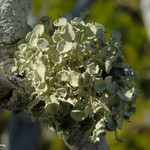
(124, 16)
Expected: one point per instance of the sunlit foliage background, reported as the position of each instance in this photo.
(126, 18)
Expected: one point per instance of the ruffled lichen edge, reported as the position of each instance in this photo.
(78, 78)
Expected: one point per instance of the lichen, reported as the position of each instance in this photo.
(80, 81)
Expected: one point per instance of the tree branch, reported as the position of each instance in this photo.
(13, 96)
(13, 21)
(13, 27)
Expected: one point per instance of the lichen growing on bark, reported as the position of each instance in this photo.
(80, 81)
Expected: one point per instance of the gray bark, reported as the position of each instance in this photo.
(13, 96)
(13, 27)
(13, 20)
(23, 135)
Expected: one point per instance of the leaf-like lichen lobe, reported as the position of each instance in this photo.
(73, 72)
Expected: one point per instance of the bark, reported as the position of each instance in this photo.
(13, 27)
(13, 96)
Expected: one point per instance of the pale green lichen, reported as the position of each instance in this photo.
(78, 76)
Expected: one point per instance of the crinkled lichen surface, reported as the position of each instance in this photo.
(80, 81)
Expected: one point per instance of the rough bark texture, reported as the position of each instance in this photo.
(13, 96)
(14, 14)
(13, 27)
